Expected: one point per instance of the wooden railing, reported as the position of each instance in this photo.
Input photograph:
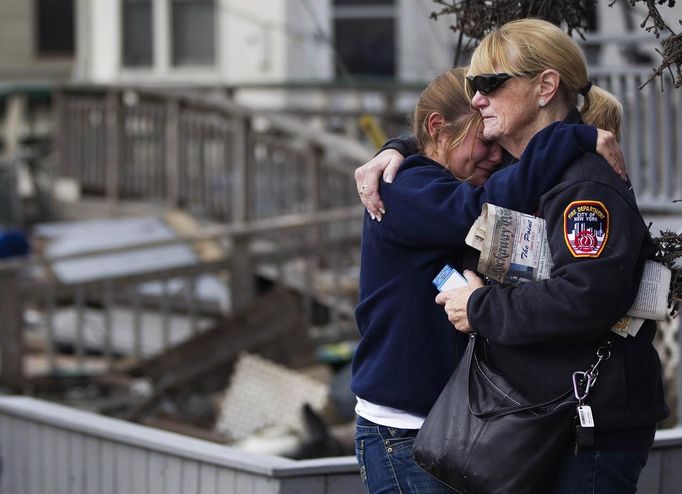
(205, 155)
(652, 124)
(211, 156)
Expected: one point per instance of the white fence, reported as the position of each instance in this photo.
(51, 449)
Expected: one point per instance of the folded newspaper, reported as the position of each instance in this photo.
(514, 250)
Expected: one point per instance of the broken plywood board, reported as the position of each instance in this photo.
(264, 394)
(80, 237)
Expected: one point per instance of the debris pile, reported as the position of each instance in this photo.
(129, 326)
(255, 380)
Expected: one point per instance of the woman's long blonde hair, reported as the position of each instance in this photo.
(447, 94)
(529, 46)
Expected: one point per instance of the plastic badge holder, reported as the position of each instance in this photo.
(449, 278)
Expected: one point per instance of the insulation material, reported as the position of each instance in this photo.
(264, 394)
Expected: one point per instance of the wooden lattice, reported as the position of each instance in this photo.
(668, 348)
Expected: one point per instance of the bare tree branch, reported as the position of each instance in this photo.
(668, 251)
(476, 18)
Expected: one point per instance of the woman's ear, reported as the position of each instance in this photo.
(434, 123)
(548, 85)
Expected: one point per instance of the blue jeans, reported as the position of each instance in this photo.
(600, 472)
(386, 464)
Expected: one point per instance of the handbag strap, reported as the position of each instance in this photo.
(589, 378)
(502, 411)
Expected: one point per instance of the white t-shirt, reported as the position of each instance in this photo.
(387, 416)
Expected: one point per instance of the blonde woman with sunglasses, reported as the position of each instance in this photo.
(529, 75)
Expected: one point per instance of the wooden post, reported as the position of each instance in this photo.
(313, 178)
(113, 145)
(60, 130)
(11, 326)
(389, 115)
(240, 183)
(312, 262)
(242, 274)
(172, 152)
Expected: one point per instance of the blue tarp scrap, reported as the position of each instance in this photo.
(13, 243)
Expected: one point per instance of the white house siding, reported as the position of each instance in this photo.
(425, 47)
(254, 42)
(257, 41)
(18, 59)
(309, 57)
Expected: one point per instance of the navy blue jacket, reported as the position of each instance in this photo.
(409, 348)
(541, 332)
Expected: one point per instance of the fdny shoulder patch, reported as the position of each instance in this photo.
(586, 228)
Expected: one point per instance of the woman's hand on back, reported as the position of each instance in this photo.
(367, 179)
(608, 147)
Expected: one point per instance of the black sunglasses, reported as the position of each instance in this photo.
(487, 83)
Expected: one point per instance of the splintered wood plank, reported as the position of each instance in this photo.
(271, 316)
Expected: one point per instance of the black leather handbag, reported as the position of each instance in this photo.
(483, 437)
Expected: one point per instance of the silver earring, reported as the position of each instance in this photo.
(542, 102)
